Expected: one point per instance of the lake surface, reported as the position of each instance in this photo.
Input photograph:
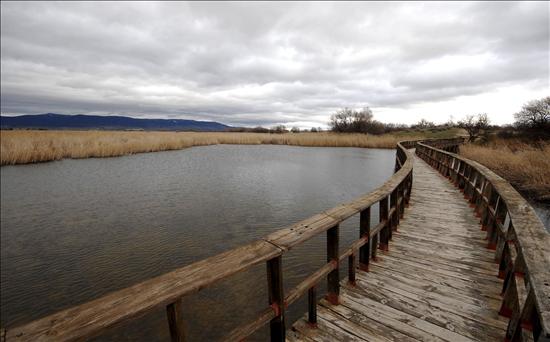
(74, 230)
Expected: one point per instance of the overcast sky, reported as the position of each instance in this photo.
(270, 63)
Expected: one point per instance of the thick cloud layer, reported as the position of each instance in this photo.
(269, 63)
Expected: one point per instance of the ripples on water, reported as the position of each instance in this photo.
(74, 230)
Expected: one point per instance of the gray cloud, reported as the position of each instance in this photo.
(264, 63)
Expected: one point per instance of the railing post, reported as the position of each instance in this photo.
(410, 184)
(395, 216)
(174, 312)
(494, 231)
(333, 278)
(312, 306)
(401, 197)
(364, 231)
(276, 297)
(486, 206)
(374, 245)
(351, 269)
(385, 232)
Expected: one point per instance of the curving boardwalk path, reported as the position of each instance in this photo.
(437, 282)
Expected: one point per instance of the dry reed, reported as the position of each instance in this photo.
(31, 146)
(526, 166)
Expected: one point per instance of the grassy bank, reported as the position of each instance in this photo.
(29, 146)
(525, 165)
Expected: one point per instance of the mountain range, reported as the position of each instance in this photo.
(61, 121)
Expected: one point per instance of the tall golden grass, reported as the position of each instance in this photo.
(31, 146)
(526, 166)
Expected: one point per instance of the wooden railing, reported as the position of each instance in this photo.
(521, 244)
(92, 318)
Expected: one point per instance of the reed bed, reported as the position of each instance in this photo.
(526, 166)
(32, 146)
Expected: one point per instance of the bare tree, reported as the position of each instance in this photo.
(423, 123)
(534, 114)
(279, 129)
(349, 120)
(295, 129)
(474, 125)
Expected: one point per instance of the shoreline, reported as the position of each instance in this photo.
(35, 146)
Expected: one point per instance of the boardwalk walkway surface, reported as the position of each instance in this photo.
(437, 282)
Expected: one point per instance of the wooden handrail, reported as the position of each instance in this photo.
(521, 244)
(92, 318)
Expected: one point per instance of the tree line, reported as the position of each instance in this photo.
(533, 119)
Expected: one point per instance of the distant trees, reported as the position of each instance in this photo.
(474, 125)
(423, 123)
(534, 114)
(279, 129)
(351, 121)
(362, 121)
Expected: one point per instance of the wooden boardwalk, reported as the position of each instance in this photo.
(438, 282)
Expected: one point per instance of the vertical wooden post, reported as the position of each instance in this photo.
(395, 216)
(493, 231)
(385, 232)
(364, 231)
(174, 312)
(460, 174)
(276, 297)
(351, 269)
(401, 197)
(374, 245)
(410, 187)
(485, 207)
(312, 306)
(333, 278)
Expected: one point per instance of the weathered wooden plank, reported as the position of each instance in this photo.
(467, 287)
(463, 325)
(374, 329)
(435, 288)
(325, 331)
(348, 326)
(489, 279)
(443, 250)
(435, 257)
(295, 336)
(426, 246)
(400, 321)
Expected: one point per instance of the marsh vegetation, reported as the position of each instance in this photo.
(526, 165)
(31, 146)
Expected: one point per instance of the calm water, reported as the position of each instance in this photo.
(76, 229)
